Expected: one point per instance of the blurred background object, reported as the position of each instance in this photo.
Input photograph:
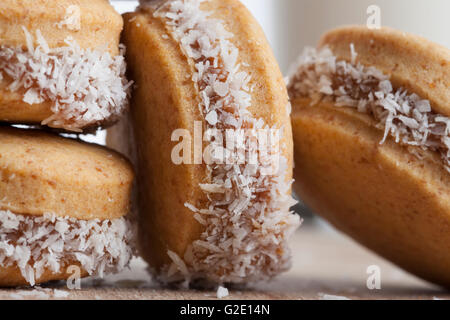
(291, 25)
(300, 23)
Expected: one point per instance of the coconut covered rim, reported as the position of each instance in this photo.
(412, 61)
(35, 244)
(403, 116)
(86, 87)
(247, 221)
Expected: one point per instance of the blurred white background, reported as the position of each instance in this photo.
(291, 25)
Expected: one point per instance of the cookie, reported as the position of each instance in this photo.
(371, 133)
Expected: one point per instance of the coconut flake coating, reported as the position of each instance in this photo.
(247, 222)
(86, 87)
(404, 116)
(35, 244)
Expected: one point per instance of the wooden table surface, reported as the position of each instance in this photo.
(327, 265)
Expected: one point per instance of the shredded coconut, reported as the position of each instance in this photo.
(402, 115)
(37, 293)
(35, 244)
(247, 220)
(324, 296)
(222, 292)
(60, 293)
(86, 87)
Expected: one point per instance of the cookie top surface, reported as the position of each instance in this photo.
(44, 173)
(412, 62)
(91, 23)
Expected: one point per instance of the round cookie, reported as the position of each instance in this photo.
(200, 220)
(60, 63)
(62, 204)
(371, 136)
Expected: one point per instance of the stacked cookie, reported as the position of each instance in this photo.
(62, 202)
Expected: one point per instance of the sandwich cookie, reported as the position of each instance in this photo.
(217, 220)
(371, 124)
(62, 204)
